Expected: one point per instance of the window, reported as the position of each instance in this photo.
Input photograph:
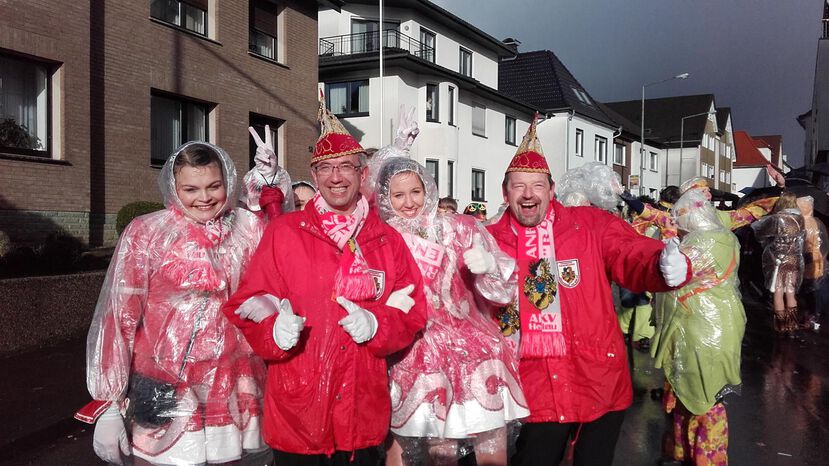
(580, 143)
(347, 99)
(173, 122)
(433, 168)
(509, 130)
(189, 14)
(478, 185)
(451, 169)
(601, 149)
(24, 107)
(652, 161)
(582, 96)
(618, 154)
(722, 176)
(365, 35)
(478, 120)
(432, 109)
(258, 123)
(451, 105)
(427, 45)
(465, 67)
(263, 24)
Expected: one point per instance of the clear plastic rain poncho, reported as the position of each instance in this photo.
(700, 327)
(460, 380)
(159, 339)
(593, 183)
(815, 242)
(782, 235)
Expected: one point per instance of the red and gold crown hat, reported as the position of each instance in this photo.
(529, 157)
(334, 140)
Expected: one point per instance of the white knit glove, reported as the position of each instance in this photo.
(287, 327)
(672, 263)
(360, 323)
(110, 438)
(258, 308)
(265, 158)
(478, 260)
(401, 300)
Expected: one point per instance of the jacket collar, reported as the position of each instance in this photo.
(504, 233)
(312, 223)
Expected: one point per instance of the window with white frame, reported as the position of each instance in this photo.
(722, 176)
(263, 28)
(579, 143)
(24, 107)
(173, 121)
(450, 166)
(509, 130)
(465, 62)
(187, 14)
(432, 109)
(348, 98)
(478, 120)
(427, 44)
(451, 105)
(652, 161)
(600, 149)
(433, 168)
(365, 35)
(618, 154)
(478, 185)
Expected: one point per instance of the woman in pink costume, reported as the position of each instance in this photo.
(458, 384)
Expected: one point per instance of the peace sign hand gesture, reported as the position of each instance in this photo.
(265, 158)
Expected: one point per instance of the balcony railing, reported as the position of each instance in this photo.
(367, 42)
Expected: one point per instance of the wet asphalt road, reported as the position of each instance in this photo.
(780, 418)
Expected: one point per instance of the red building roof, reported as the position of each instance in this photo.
(775, 143)
(746, 149)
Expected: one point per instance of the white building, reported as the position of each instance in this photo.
(815, 122)
(438, 63)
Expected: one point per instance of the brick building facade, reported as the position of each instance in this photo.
(105, 89)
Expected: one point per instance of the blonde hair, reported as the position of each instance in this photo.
(787, 200)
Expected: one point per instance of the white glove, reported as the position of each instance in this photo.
(478, 260)
(360, 323)
(672, 263)
(258, 308)
(265, 159)
(400, 299)
(407, 129)
(287, 327)
(110, 438)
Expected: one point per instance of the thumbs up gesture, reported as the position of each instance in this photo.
(672, 263)
(265, 158)
(400, 299)
(478, 260)
(360, 323)
(287, 327)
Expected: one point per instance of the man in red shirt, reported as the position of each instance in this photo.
(573, 367)
(331, 291)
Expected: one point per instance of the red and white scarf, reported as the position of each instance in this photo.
(353, 280)
(539, 306)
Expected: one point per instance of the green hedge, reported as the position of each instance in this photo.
(132, 210)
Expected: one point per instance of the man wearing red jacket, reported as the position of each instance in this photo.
(324, 300)
(573, 367)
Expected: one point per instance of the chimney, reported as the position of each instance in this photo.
(513, 44)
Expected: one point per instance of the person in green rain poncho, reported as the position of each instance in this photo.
(698, 334)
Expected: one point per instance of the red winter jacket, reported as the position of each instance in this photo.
(593, 378)
(327, 393)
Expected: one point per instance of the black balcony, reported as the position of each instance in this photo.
(369, 42)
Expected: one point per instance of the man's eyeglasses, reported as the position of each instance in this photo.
(345, 169)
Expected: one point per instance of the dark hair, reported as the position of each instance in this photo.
(197, 155)
(449, 201)
(670, 194)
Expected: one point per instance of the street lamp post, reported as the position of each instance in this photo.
(682, 138)
(642, 129)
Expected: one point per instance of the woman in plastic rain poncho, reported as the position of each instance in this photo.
(698, 334)
(782, 234)
(158, 337)
(460, 380)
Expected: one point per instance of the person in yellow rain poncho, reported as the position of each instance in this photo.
(698, 334)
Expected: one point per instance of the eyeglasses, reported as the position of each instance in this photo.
(345, 169)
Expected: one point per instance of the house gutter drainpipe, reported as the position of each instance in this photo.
(570, 114)
(382, 46)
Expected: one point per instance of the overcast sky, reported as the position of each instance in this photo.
(755, 56)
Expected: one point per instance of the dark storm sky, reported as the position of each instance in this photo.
(755, 56)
